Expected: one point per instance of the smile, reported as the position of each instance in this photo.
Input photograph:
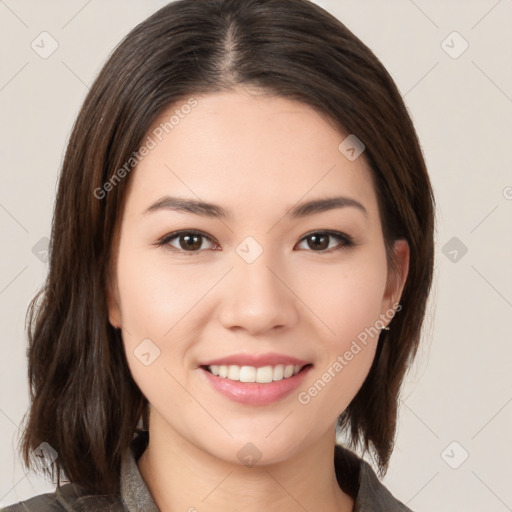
(259, 388)
(262, 375)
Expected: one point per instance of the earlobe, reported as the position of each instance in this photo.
(398, 273)
(114, 312)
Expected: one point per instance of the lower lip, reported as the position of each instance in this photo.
(254, 393)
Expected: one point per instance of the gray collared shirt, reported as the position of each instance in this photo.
(355, 476)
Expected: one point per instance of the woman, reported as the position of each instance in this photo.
(241, 255)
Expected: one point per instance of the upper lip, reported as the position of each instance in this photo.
(269, 359)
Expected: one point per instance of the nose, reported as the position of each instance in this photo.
(258, 298)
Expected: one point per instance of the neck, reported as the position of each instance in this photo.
(182, 476)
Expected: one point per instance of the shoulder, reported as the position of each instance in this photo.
(68, 498)
(43, 502)
(357, 478)
(373, 494)
(71, 497)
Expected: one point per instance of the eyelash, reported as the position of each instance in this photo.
(346, 240)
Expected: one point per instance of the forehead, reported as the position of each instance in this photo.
(248, 152)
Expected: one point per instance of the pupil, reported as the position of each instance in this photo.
(316, 244)
(191, 241)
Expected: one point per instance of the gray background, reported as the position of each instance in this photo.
(453, 449)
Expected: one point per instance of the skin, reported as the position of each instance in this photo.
(255, 156)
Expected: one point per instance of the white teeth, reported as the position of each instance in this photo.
(278, 372)
(288, 371)
(234, 372)
(262, 375)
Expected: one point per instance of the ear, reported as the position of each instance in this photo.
(114, 311)
(397, 275)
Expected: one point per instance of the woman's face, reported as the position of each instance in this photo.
(258, 277)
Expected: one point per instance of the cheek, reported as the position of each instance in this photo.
(156, 293)
(348, 302)
(346, 297)
(160, 309)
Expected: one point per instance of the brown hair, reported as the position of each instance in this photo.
(84, 401)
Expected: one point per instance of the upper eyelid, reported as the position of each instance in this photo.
(175, 234)
(171, 236)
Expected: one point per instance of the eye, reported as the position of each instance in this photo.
(319, 241)
(190, 241)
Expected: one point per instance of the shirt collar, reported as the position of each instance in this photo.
(355, 476)
(134, 491)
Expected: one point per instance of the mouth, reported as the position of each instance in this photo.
(255, 386)
(261, 375)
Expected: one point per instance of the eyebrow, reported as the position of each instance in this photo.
(212, 210)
